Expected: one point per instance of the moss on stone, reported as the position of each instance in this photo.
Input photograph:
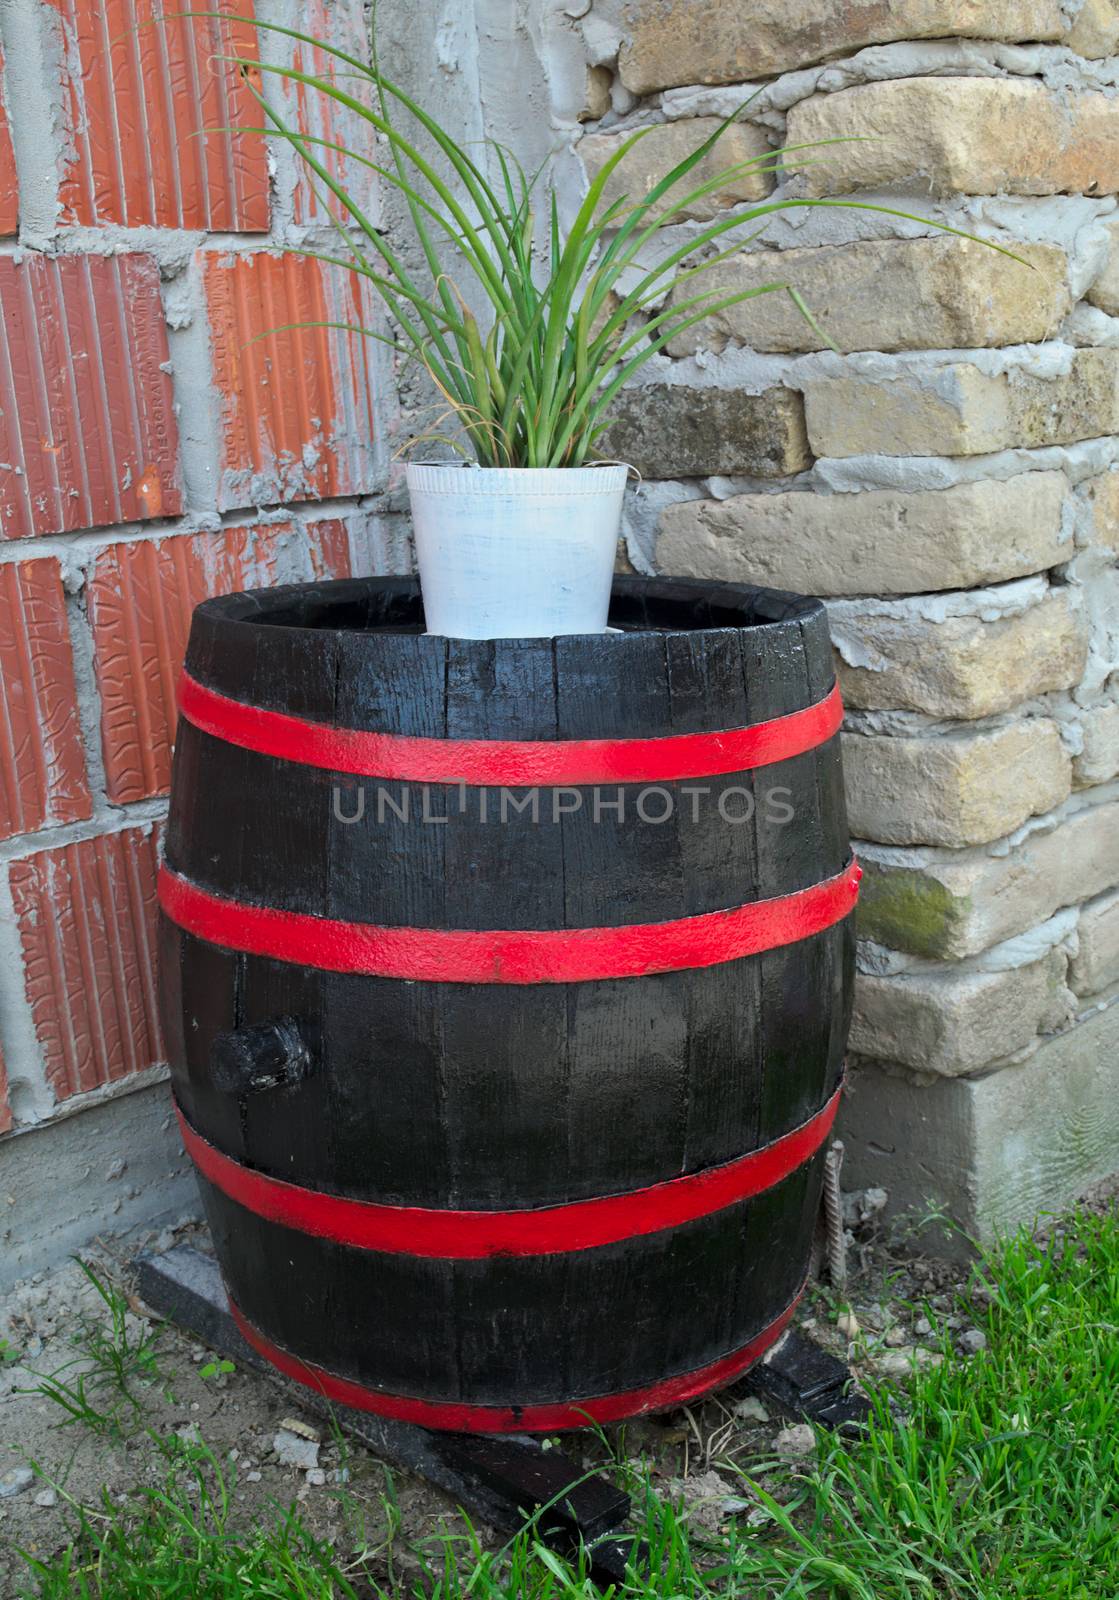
(910, 911)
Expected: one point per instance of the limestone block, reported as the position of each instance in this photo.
(954, 1023)
(677, 431)
(1098, 762)
(710, 41)
(669, 143)
(1095, 30)
(956, 410)
(887, 294)
(955, 790)
(953, 904)
(957, 136)
(1104, 499)
(596, 96)
(992, 1151)
(898, 657)
(876, 542)
(1096, 966)
(1105, 291)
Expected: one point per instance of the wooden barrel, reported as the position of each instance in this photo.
(506, 987)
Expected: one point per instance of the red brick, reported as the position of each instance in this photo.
(86, 917)
(87, 426)
(42, 762)
(341, 23)
(9, 183)
(141, 596)
(298, 420)
(140, 95)
(330, 549)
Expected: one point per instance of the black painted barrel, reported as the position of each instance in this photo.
(506, 986)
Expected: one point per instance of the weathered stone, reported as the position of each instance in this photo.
(1096, 965)
(877, 542)
(897, 658)
(665, 145)
(957, 410)
(1098, 761)
(954, 904)
(20, 1478)
(673, 42)
(886, 294)
(596, 95)
(954, 789)
(292, 1450)
(1105, 291)
(611, 305)
(1095, 30)
(1104, 500)
(954, 1023)
(958, 136)
(992, 1151)
(674, 431)
(795, 1443)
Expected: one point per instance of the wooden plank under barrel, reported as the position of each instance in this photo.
(507, 986)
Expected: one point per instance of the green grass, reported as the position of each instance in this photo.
(115, 1356)
(174, 1542)
(1001, 1483)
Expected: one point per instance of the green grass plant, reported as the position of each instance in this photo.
(527, 327)
(115, 1355)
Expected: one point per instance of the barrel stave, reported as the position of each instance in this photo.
(506, 1105)
(386, 1068)
(290, 1130)
(205, 979)
(399, 686)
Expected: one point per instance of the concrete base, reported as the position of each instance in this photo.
(990, 1152)
(114, 1168)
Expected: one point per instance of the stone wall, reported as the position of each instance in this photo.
(950, 483)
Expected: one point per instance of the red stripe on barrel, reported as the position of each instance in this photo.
(476, 1235)
(458, 955)
(496, 763)
(456, 1417)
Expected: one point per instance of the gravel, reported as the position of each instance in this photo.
(751, 1410)
(793, 1444)
(15, 1481)
(294, 1451)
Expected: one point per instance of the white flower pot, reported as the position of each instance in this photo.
(511, 553)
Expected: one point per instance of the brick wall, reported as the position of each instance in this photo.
(950, 482)
(154, 449)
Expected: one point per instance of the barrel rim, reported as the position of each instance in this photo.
(251, 607)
